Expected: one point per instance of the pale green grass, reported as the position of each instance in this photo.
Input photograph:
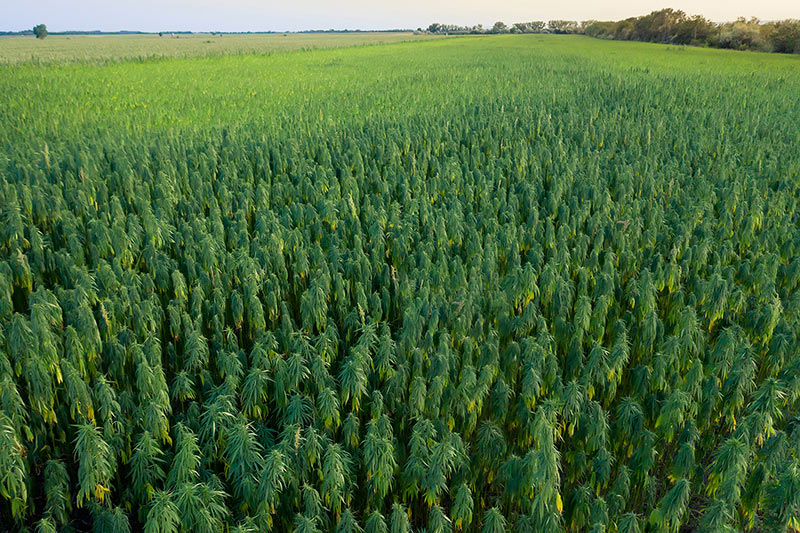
(104, 48)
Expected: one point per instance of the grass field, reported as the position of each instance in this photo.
(112, 48)
(406, 79)
(489, 283)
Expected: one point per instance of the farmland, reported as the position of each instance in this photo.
(492, 283)
(114, 48)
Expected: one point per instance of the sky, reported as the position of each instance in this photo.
(295, 15)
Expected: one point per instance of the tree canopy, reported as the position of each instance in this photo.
(40, 31)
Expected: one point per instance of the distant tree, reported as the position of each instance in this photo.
(536, 26)
(601, 29)
(40, 30)
(670, 26)
(499, 27)
(741, 35)
(450, 28)
(563, 26)
(784, 36)
(626, 30)
(694, 29)
(660, 26)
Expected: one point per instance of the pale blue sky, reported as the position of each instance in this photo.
(255, 15)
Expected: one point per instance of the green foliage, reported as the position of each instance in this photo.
(493, 521)
(674, 26)
(12, 466)
(40, 31)
(456, 286)
(96, 465)
(163, 515)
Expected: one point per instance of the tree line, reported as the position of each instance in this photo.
(663, 26)
(536, 26)
(674, 26)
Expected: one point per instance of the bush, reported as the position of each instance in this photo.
(784, 37)
(741, 35)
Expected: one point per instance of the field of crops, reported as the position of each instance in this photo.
(114, 48)
(485, 284)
